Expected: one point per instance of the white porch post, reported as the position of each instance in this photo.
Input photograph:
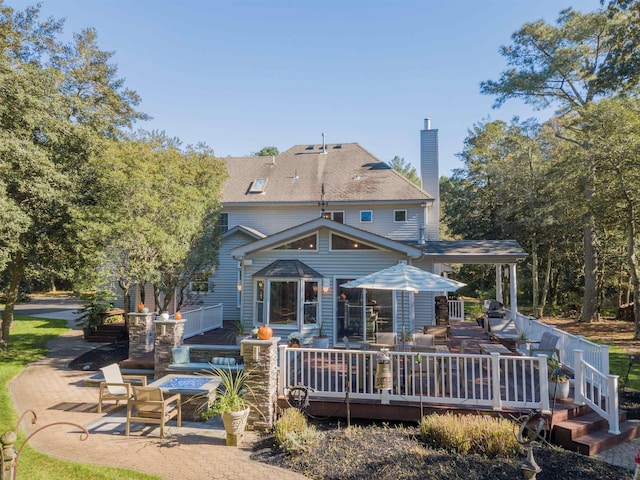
(513, 290)
(499, 283)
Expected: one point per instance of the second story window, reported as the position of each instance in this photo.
(366, 216)
(335, 216)
(223, 222)
(399, 216)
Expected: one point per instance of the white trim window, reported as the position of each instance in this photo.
(199, 284)
(399, 216)
(366, 216)
(335, 215)
(289, 303)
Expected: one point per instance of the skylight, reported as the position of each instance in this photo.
(258, 185)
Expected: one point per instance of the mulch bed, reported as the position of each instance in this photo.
(393, 453)
(101, 356)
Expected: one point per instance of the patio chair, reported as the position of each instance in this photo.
(387, 338)
(424, 339)
(546, 346)
(149, 406)
(115, 385)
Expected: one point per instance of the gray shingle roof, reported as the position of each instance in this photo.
(349, 172)
(474, 251)
(288, 268)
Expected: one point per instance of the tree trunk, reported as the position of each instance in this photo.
(590, 301)
(633, 268)
(546, 285)
(16, 272)
(126, 299)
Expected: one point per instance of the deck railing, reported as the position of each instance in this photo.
(200, 320)
(456, 309)
(488, 381)
(597, 390)
(593, 353)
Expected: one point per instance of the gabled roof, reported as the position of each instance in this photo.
(250, 232)
(288, 268)
(313, 225)
(474, 251)
(349, 173)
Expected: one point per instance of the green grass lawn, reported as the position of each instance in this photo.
(28, 342)
(619, 365)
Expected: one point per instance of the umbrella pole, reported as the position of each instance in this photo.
(403, 318)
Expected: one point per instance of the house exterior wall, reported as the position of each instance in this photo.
(332, 265)
(223, 282)
(270, 220)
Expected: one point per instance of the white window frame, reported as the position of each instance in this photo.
(370, 212)
(224, 227)
(395, 212)
(331, 214)
(201, 292)
(265, 304)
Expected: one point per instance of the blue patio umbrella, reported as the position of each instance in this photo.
(405, 278)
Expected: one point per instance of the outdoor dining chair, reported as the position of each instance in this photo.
(117, 386)
(424, 339)
(386, 338)
(148, 405)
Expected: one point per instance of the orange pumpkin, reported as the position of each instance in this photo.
(265, 332)
(178, 316)
(140, 307)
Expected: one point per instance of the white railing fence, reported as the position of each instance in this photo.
(452, 379)
(597, 390)
(593, 353)
(456, 309)
(202, 320)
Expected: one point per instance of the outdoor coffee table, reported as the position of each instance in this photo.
(196, 392)
(498, 348)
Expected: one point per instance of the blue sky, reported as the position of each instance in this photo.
(240, 75)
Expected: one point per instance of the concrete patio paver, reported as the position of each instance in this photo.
(195, 451)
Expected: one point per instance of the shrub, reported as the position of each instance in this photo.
(293, 434)
(483, 435)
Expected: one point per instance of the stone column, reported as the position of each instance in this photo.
(140, 333)
(169, 334)
(7, 441)
(261, 367)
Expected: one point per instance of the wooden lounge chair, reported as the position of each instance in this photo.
(148, 405)
(548, 345)
(117, 386)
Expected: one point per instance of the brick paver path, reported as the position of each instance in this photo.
(195, 451)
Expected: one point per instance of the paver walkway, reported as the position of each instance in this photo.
(196, 451)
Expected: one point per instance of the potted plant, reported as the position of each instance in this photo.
(406, 338)
(558, 381)
(321, 340)
(294, 339)
(230, 404)
(92, 313)
(238, 331)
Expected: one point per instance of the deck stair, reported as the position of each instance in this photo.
(579, 429)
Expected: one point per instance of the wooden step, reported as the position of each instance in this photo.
(596, 442)
(588, 434)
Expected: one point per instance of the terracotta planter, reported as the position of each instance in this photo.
(294, 345)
